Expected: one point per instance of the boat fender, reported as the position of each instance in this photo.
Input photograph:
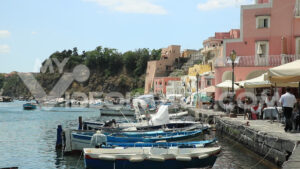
(157, 158)
(178, 158)
(203, 156)
(136, 159)
(107, 157)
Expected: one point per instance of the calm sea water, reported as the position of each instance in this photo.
(27, 140)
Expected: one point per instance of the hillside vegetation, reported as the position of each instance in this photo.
(110, 71)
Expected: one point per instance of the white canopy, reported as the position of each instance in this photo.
(210, 89)
(260, 82)
(227, 85)
(289, 72)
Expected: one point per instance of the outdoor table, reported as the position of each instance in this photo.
(272, 112)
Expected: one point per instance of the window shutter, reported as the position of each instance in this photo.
(259, 49)
(298, 49)
(297, 8)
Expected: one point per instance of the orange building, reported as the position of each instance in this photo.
(162, 67)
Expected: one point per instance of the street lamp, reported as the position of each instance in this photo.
(233, 57)
(197, 83)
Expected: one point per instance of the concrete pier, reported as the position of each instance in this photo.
(264, 137)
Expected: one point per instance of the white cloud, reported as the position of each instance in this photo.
(131, 6)
(4, 49)
(4, 33)
(33, 33)
(218, 4)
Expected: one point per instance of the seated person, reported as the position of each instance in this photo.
(255, 111)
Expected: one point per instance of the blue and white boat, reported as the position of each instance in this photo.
(77, 140)
(29, 106)
(150, 157)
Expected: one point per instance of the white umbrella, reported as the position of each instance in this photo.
(289, 72)
(210, 89)
(227, 84)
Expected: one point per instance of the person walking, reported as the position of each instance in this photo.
(288, 101)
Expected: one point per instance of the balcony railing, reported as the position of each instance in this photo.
(253, 61)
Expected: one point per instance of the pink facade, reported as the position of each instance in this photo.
(269, 36)
(206, 81)
(160, 84)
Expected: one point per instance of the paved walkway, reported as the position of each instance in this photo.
(267, 128)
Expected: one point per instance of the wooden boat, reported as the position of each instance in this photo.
(159, 133)
(192, 144)
(29, 106)
(150, 158)
(116, 111)
(77, 140)
(138, 138)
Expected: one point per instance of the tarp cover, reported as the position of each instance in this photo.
(161, 117)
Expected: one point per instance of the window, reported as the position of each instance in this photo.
(263, 22)
(262, 48)
(298, 46)
(297, 8)
(208, 83)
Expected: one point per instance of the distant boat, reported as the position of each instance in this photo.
(29, 106)
(150, 157)
(117, 111)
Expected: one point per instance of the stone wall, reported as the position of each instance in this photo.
(275, 149)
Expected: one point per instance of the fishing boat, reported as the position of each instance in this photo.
(150, 157)
(29, 106)
(192, 144)
(77, 140)
(117, 111)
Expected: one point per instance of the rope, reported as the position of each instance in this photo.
(124, 116)
(79, 159)
(265, 155)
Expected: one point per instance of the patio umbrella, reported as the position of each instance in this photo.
(260, 82)
(289, 72)
(227, 84)
(210, 89)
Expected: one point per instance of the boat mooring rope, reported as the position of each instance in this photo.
(265, 155)
(124, 116)
(79, 159)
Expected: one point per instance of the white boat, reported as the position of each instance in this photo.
(150, 158)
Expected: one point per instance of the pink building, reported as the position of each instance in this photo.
(160, 84)
(269, 36)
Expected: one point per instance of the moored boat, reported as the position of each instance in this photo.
(150, 158)
(77, 140)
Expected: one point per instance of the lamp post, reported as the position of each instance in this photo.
(197, 84)
(233, 57)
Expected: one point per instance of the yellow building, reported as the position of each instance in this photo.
(200, 69)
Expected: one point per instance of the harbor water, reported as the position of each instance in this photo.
(27, 140)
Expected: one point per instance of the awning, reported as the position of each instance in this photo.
(227, 85)
(260, 82)
(210, 89)
(289, 72)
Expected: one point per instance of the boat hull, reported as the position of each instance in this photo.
(149, 164)
(113, 112)
(150, 158)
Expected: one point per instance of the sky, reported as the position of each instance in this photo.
(31, 30)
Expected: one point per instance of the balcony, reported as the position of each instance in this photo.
(257, 61)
